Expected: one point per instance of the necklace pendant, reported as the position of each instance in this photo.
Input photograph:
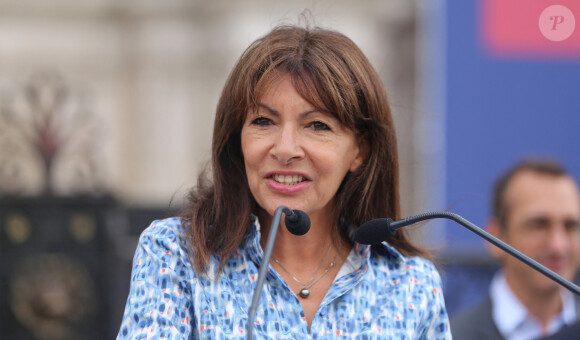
(304, 292)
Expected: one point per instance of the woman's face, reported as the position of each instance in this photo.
(294, 155)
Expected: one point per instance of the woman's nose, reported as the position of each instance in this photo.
(287, 146)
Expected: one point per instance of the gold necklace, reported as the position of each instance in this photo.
(305, 292)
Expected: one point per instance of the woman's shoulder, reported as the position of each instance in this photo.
(166, 235)
(164, 227)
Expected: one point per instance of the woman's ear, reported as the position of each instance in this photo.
(361, 155)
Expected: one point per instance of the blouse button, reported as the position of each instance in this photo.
(323, 311)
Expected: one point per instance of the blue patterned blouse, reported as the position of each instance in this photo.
(388, 296)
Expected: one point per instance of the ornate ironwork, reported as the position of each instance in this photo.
(51, 295)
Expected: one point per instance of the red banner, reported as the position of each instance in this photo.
(531, 28)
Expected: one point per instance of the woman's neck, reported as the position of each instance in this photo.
(301, 249)
(308, 263)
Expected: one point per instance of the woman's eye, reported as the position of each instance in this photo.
(261, 121)
(319, 126)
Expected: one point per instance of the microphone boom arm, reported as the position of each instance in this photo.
(298, 223)
(492, 239)
(263, 269)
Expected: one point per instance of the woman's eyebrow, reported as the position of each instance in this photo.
(277, 114)
(271, 110)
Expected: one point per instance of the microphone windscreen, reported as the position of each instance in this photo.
(374, 231)
(297, 223)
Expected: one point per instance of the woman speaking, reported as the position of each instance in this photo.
(303, 121)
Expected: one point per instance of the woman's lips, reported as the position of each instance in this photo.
(286, 188)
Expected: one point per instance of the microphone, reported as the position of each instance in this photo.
(378, 230)
(298, 223)
(375, 231)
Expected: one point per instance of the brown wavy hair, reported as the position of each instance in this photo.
(329, 71)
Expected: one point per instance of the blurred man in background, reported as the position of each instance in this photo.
(536, 209)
